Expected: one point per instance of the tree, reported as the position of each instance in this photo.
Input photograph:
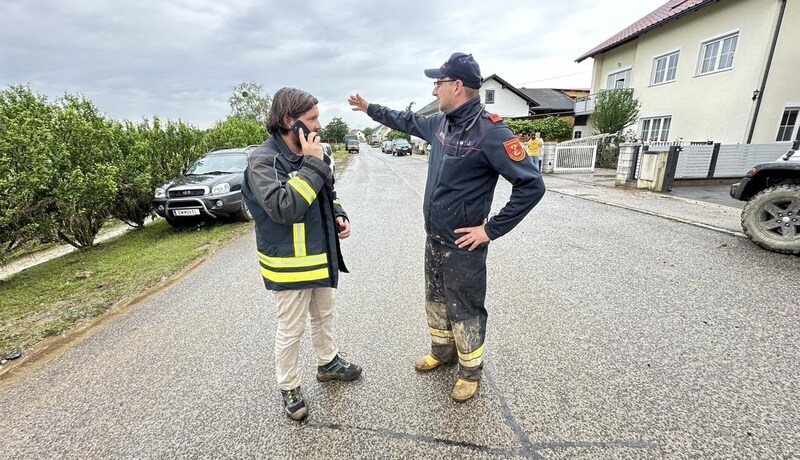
(394, 134)
(84, 188)
(26, 152)
(335, 130)
(368, 131)
(233, 132)
(247, 101)
(614, 110)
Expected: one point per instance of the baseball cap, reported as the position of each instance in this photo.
(460, 66)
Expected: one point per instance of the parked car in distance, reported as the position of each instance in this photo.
(386, 146)
(374, 142)
(771, 217)
(401, 147)
(351, 144)
(211, 187)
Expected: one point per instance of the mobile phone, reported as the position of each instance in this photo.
(297, 126)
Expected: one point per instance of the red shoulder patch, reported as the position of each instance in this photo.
(514, 149)
(495, 117)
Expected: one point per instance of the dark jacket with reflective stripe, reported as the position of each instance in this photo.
(467, 157)
(294, 207)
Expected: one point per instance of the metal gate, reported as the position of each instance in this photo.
(575, 158)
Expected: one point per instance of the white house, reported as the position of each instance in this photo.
(719, 70)
(506, 100)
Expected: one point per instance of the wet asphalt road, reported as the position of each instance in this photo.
(612, 334)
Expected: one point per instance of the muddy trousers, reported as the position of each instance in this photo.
(293, 307)
(455, 291)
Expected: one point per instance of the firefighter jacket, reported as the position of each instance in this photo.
(470, 149)
(294, 206)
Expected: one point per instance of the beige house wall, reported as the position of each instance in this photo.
(715, 106)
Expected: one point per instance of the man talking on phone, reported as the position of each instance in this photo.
(288, 188)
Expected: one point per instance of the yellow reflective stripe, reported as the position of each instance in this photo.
(440, 333)
(303, 188)
(337, 201)
(470, 356)
(305, 261)
(299, 239)
(288, 277)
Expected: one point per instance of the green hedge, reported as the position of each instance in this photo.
(65, 167)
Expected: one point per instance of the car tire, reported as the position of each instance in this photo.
(771, 219)
(244, 213)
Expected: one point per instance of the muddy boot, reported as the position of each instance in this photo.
(464, 390)
(294, 404)
(426, 363)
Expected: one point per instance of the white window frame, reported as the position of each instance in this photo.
(719, 41)
(794, 132)
(620, 71)
(667, 59)
(486, 99)
(648, 125)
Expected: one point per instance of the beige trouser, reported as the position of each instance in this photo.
(292, 308)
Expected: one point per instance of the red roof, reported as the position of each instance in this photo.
(666, 12)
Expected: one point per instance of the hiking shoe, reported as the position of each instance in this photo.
(427, 363)
(338, 369)
(294, 404)
(464, 390)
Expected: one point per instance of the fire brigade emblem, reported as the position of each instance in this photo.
(514, 149)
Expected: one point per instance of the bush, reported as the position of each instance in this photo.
(26, 171)
(84, 182)
(233, 132)
(553, 129)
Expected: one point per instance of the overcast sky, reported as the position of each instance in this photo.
(182, 58)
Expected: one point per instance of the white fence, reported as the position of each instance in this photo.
(577, 155)
(575, 159)
(694, 161)
(734, 160)
(705, 161)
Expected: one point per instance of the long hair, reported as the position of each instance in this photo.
(288, 101)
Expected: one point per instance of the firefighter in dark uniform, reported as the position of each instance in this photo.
(470, 149)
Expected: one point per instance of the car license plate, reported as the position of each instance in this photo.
(186, 212)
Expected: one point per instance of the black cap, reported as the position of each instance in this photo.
(460, 66)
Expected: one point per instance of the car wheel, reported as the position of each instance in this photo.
(244, 213)
(772, 219)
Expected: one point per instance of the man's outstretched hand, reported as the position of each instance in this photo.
(358, 103)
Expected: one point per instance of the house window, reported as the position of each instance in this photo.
(718, 54)
(788, 127)
(655, 129)
(664, 68)
(489, 98)
(617, 80)
(577, 135)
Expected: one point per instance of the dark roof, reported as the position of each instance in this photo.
(669, 11)
(549, 99)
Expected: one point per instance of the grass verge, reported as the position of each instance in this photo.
(49, 298)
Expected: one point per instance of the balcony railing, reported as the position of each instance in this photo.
(584, 105)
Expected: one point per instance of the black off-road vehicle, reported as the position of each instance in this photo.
(771, 217)
(210, 188)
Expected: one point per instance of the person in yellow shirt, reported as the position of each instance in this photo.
(535, 149)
